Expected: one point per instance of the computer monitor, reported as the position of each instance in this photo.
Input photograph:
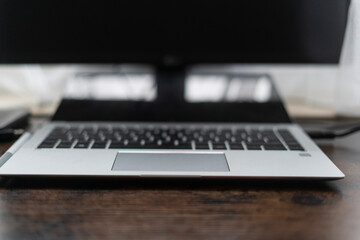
(171, 32)
(171, 35)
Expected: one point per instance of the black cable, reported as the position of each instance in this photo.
(331, 134)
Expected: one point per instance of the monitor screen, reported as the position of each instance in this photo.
(171, 31)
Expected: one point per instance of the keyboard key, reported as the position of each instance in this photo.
(65, 145)
(250, 146)
(99, 144)
(296, 147)
(48, 143)
(45, 145)
(236, 146)
(240, 131)
(274, 147)
(176, 146)
(291, 141)
(151, 146)
(133, 146)
(256, 141)
(218, 146)
(184, 146)
(82, 145)
(117, 145)
(202, 146)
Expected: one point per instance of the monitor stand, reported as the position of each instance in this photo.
(171, 82)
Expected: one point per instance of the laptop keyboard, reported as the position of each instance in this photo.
(252, 139)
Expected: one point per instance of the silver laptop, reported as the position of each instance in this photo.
(218, 126)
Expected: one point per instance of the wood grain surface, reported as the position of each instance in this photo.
(83, 208)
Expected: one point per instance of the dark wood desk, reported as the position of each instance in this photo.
(45, 208)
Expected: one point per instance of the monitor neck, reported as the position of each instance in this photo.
(171, 82)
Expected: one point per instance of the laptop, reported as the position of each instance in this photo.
(225, 126)
(173, 122)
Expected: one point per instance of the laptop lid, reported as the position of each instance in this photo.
(200, 97)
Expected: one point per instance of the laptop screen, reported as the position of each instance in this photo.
(198, 98)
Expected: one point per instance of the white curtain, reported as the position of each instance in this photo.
(36, 85)
(348, 86)
(31, 85)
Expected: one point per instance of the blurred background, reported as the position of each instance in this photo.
(306, 89)
(312, 76)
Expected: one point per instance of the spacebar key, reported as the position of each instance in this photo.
(180, 146)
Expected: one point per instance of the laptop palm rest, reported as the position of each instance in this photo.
(150, 161)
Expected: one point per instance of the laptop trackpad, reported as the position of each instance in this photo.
(149, 161)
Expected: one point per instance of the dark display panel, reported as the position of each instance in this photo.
(171, 31)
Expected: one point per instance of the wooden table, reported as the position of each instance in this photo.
(78, 208)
